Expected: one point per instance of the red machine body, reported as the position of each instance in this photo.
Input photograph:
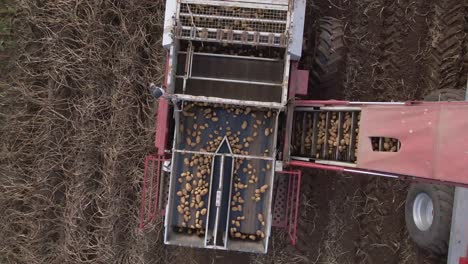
(433, 143)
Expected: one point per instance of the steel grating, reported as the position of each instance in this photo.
(255, 26)
(280, 196)
(251, 14)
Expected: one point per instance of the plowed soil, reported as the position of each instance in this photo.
(397, 51)
(76, 121)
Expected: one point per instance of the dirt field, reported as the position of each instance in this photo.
(76, 122)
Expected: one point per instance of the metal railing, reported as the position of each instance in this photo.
(286, 207)
(152, 205)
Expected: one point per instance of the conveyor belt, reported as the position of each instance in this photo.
(325, 134)
(226, 152)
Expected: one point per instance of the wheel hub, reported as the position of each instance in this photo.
(423, 211)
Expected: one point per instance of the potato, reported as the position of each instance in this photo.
(204, 192)
(244, 125)
(260, 217)
(203, 211)
(180, 209)
(386, 146)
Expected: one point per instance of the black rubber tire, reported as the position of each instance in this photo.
(445, 60)
(329, 68)
(436, 238)
(449, 95)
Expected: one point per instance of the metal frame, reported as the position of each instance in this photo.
(229, 245)
(292, 205)
(254, 36)
(217, 100)
(290, 182)
(151, 205)
(171, 76)
(271, 4)
(227, 80)
(162, 119)
(424, 119)
(193, 32)
(218, 189)
(230, 56)
(262, 4)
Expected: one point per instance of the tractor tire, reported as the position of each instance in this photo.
(447, 45)
(446, 95)
(428, 216)
(328, 67)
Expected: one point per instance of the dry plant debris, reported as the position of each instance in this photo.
(76, 121)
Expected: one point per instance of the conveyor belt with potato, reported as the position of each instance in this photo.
(326, 135)
(202, 133)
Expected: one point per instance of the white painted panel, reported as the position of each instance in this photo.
(169, 20)
(297, 29)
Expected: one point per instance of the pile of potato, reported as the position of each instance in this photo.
(309, 134)
(206, 122)
(240, 143)
(333, 141)
(357, 138)
(389, 144)
(192, 193)
(321, 134)
(235, 233)
(337, 138)
(238, 201)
